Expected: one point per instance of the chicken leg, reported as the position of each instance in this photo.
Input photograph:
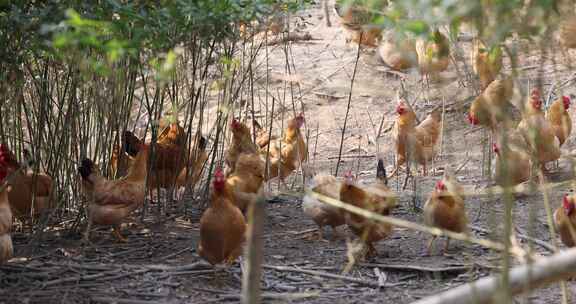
(430, 245)
(119, 237)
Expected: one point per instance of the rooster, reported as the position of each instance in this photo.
(111, 201)
(222, 225)
(445, 209)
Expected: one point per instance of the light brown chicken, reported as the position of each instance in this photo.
(490, 107)
(323, 214)
(262, 136)
(241, 143)
(513, 165)
(246, 180)
(565, 221)
(29, 193)
(355, 21)
(538, 132)
(222, 226)
(289, 152)
(567, 31)
(111, 201)
(433, 54)
(398, 53)
(416, 142)
(486, 62)
(6, 248)
(558, 116)
(445, 209)
(377, 198)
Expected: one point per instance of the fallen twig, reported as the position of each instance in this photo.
(331, 276)
(543, 244)
(401, 267)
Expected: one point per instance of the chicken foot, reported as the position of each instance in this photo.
(119, 237)
(430, 246)
(372, 252)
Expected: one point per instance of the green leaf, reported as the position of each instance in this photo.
(417, 27)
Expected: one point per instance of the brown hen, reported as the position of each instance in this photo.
(222, 226)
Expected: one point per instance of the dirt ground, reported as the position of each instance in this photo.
(159, 264)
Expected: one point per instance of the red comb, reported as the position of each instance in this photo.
(440, 185)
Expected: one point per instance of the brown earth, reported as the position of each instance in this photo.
(159, 264)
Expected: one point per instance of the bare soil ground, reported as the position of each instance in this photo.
(159, 264)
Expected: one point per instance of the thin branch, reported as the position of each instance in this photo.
(523, 278)
(348, 106)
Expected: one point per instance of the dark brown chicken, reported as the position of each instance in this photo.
(169, 157)
(222, 225)
(6, 248)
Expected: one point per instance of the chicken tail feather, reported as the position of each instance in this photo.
(85, 168)
(437, 114)
(381, 172)
(202, 143)
(131, 143)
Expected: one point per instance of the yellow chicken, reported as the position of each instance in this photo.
(538, 132)
(376, 198)
(416, 142)
(445, 209)
(565, 221)
(433, 54)
(486, 62)
(246, 179)
(559, 118)
(324, 214)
